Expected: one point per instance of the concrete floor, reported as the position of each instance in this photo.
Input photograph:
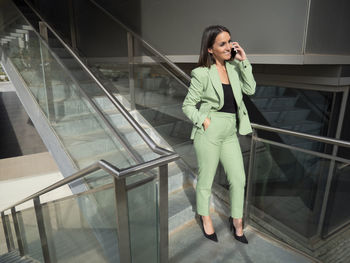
(18, 136)
(189, 245)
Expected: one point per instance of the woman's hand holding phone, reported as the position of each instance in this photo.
(238, 51)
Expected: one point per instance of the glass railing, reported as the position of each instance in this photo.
(296, 194)
(87, 123)
(3, 247)
(118, 222)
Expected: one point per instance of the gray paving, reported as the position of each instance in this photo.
(189, 245)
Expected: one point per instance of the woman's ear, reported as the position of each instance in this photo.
(210, 50)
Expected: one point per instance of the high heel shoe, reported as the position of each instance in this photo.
(212, 237)
(242, 238)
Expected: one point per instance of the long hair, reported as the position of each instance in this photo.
(208, 38)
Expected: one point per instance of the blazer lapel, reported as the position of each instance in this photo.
(215, 80)
(235, 82)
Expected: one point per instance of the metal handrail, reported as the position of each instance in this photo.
(166, 60)
(143, 134)
(102, 165)
(303, 135)
(145, 43)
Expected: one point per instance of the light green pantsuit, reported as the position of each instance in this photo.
(219, 142)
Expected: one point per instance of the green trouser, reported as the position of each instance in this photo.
(219, 142)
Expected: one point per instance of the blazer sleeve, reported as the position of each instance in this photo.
(194, 96)
(247, 77)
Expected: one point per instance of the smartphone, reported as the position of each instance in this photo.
(233, 53)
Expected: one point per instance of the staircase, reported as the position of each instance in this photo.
(72, 113)
(86, 127)
(14, 257)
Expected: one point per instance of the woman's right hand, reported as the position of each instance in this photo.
(206, 123)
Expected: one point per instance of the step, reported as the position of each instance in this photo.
(86, 123)
(189, 245)
(117, 157)
(59, 91)
(178, 176)
(268, 91)
(283, 116)
(61, 52)
(181, 208)
(70, 63)
(14, 257)
(307, 126)
(274, 102)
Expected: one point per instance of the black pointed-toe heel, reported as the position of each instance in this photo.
(242, 238)
(212, 237)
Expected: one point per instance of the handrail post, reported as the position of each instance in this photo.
(122, 216)
(41, 227)
(163, 214)
(17, 230)
(250, 177)
(6, 232)
(130, 39)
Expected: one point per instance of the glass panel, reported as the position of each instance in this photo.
(338, 213)
(3, 246)
(143, 220)
(13, 233)
(79, 230)
(30, 233)
(285, 191)
(71, 99)
(293, 109)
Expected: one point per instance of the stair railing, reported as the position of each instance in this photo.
(121, 202)
(126, 114)
(324, 198)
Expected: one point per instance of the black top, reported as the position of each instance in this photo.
(230, 104)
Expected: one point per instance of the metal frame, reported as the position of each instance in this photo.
(131, 46)
(336, 142)
(331, 168)
(17, 231)
(6, 233)
(163, 214)
(41, 228)
(126, 114)
(122, 218)
(249, 179)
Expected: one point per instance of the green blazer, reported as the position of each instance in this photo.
(206, 89)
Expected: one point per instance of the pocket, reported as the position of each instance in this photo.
(208, 130)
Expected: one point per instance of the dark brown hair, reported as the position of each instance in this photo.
(208, 38)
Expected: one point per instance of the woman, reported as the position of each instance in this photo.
(217, 85)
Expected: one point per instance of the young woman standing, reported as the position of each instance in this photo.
(217, 85)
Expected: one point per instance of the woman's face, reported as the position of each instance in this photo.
(222, 46)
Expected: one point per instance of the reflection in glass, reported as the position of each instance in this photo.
(30, 233)
(338, 213)
(3, 246)
(285, 191)
(78, 230)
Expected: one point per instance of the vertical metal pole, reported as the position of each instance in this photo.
(163, 214)
(46, 67)
(18, 232)
(122, 216)
(73, 33)
(250, 177)
(332, 164)
(131, 69)
(41, 227)
(6, 232)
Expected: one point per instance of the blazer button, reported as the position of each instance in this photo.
(244, 113)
